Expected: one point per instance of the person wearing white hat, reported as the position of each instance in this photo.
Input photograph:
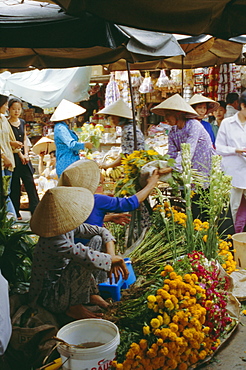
(122, 115)
(65, 274)
(203, 106)
(185, 128)
(66, 140)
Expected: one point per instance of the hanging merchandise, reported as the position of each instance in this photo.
(198, 81)
(213, 83)
(112, 91)
(163, 80)
(228, 80)
(147, 85)
(243, 76)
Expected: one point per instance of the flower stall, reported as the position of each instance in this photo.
(181, 308)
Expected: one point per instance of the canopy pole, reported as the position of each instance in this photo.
(1, 185)
(182, 75)
(133, 108)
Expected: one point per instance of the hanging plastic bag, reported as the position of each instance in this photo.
(112, 93)
(163, 80)
(147, 85)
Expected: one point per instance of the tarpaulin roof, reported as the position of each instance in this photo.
(42, 36)
(46, 88)
(219, 18)
(201, 51)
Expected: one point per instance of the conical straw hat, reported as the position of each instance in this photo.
(197, 99)
(84, 173)
(118, 108)
(61, 210)
(44, 145)
(65, 110)
(175, 102)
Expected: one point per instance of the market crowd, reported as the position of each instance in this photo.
(75, 252)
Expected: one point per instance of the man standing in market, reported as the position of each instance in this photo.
(232, 104)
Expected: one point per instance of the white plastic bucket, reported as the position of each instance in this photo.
(239, 243)
(89, 331)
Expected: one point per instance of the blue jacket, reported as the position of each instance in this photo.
(105, 204)
(67, 146)
(209, 129)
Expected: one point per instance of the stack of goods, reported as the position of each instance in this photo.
(229, 80)
(203, 81)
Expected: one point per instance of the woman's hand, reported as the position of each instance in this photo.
(118, 218)
(16, 144)
(118, 267)
(23, 158)
(6, 162)
(88, 145)
(240, 150)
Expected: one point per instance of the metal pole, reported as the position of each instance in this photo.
(182, 75)
(133, 108)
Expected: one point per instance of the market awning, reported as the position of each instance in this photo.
(219, 18)
(48, 38)
(200, 51)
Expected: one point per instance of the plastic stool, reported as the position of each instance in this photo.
(108, 290)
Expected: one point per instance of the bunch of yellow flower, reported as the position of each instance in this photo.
(176, 337)
(132, 164)
(224, 251)
(199, 225)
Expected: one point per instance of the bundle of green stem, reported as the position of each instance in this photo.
(154, 251)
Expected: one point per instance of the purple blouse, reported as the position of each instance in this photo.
(192, 133)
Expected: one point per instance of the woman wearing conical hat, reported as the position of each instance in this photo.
(65, 274)
(121, 115)
(203, 106)
(66, 140)
(185, 128)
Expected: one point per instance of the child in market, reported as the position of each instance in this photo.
(48, 177)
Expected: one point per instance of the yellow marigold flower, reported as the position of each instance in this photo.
(208, 303)
(163, 351)
(156, 308)
(135, 348)
(150, 305)
(143, 344)
(205, 225)
(151, 298)
(151, 353)
(119, 367)
(187, 278)
(168, 268)
(173, 275)
(205, 238)
(146, 330)
(193, 359)
(160, 318)
(169, 304)
(155, 323)
(206, 329)
(183, 366)
(166, 287)
(244, 312)
(159, 341)
(173, 327)
(194, 278)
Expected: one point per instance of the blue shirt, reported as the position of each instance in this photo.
(104, 204)
(67, 146)
(209, 129)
